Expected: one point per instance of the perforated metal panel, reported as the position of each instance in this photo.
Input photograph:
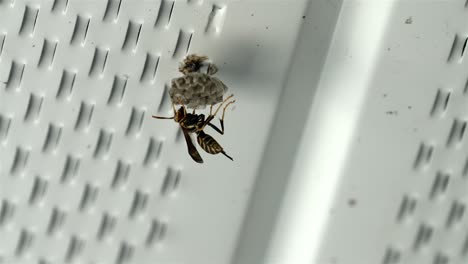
(348, 133)
(87, 176)
(380, 176)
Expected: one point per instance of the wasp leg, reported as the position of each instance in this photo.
(211, 116)
(221, 104)
(221, 121)
(161, 117)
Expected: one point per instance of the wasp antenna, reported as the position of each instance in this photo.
(162, 117)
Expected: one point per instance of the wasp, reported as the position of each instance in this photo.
(195, 123)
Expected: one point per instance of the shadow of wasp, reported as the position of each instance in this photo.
(195, 123)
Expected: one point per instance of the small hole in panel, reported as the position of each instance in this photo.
(88, 197)
(463, 48)
(135, 123)
(42, 261)
(423, 237)
(464, 248)
(441, 258)
(24, 242)
(156, 232)
(84, 116)
(456, 133)
(407, 208)
(171, 181)
(152, 152)
(106, 227)
(458, 50)
(118, 90)
(52, 139)
(2, 43)
(103, 144)
(125, 254)
(99, 62)
(19, 161)
(56, 221)
(392, 256)
(165, 13)
(441, 102)
(80, 31)
(112, 10)
(121, 174)
(140, 202)
(29, 21)
(424, 156)
(70, 169)
(16, 75)
(66, 85)
(150, 68)
(132, 36)
(189, 42)
(465, 89)
(75, 247)
(60, 6)
(183, 43)
(170, 13)
(34, 108)
(215, 19)
(5, 123)
(48, 54)
(165, 103)
(439, 185)
(7, 209)
(456, 213)
(38, 190)
(465, 169)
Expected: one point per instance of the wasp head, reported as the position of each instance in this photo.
(181, 113)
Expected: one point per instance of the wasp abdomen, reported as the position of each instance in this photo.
(208, 143)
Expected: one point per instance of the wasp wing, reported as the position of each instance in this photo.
(191, 148)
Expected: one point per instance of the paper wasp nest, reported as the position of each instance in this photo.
(195, 88)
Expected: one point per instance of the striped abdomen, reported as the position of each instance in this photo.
(208, 143)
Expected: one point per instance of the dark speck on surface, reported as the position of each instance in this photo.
(251, 14)
(89, 146)
(392, 112)
(410, 107)
(352, 202)
(303, 17)
(266, 27)
(409, 20)
(384, 95)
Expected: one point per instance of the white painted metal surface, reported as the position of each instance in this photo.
(347, 134)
